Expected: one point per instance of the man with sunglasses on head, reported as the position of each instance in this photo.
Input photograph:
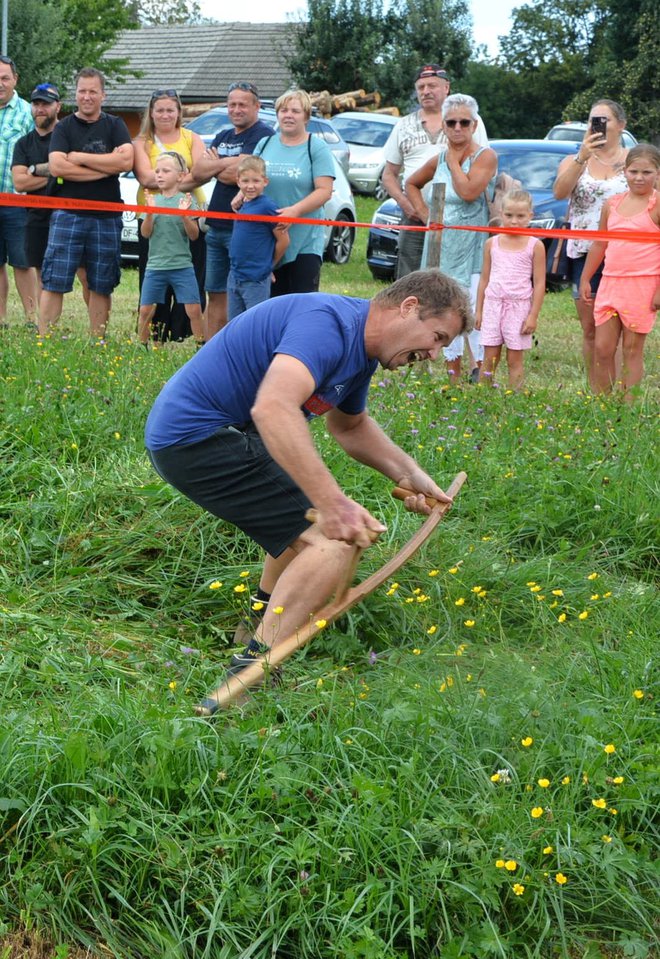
(88, 151)
(30, 168)
(221, 161)
(416, 138)
(15, 122)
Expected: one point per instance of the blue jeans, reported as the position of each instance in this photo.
(242, 294)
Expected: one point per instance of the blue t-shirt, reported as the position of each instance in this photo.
(228, 143)
(252, 243)
(218, 386)
(291, 177)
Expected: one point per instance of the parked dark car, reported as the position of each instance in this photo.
(533, 162)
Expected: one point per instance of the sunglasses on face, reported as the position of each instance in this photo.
(248, 87)
(9, 62)
(459, 123)
(157, 94)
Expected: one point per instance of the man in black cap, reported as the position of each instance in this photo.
(30, 168)
(415, 139)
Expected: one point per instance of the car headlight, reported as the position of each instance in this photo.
(382, 219)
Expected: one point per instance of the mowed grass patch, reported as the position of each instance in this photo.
(464, 766)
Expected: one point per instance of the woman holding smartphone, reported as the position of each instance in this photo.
(587, 179)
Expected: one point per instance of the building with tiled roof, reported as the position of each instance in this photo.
(199, 61)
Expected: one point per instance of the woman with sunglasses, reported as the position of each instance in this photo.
(466, 169)
(161, 132)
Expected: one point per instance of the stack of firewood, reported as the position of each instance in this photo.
(329, 104)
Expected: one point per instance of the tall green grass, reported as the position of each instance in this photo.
(384, 801)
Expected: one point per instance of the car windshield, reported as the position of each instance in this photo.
(566, 133)
(362, 132)
(535, 170)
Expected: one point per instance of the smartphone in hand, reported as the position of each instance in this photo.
(599, 125)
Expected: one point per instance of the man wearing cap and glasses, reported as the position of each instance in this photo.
(31, 171)
(15, 122)
(88, 151)
(415, 139)
(221, 161)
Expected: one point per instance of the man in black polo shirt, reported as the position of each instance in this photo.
(88, 151)
(221, 161)
(30, 168)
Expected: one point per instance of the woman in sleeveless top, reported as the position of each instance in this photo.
(466, 169)
(161, 131)
(587, 180)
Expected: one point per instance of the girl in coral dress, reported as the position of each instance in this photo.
(629, 295)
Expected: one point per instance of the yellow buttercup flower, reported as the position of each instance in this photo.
(511, 865)
(495, 778)
(558, 592)
(499, 864)
(609, 749)
(469, 623)
(320, 623)
(618, 780)
(592, 576)
(258, 606)
(460, 601)
(417, 652)
(606, 838)
(547, 850)
(244, 573)
(518, 888)
(583, 614)
(172, 685)
(561, 618)
(561, 879)
(638, 693)
(527, 741)
(537, 812)
(599, 803)
(543, 783)
(431, 630)
(216, 584)
(278, 610)
(240, 588)
(566, 780)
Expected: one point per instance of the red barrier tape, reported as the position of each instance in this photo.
(62, 203)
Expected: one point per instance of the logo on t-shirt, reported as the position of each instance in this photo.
(316, 405)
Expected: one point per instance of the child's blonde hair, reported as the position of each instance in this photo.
(643, 150)
(518, 196)
(256, 164)
(178, 159)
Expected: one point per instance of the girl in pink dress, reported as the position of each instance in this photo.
(511, 291)
(629, 295)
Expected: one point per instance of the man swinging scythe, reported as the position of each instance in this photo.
(229, 430)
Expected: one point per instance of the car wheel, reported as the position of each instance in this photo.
(341, 240)
(380, 192)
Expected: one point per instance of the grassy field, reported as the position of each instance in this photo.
(465, 766)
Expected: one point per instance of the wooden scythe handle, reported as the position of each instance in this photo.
(253, 675)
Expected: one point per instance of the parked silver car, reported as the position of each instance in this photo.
(366, 135)
(574, 131)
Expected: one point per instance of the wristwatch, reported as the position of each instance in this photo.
(32, 169)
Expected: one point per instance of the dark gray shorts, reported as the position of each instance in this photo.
(232, 475)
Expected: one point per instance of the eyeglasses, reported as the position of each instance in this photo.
(157, 94)
(248, 87)
(175, 156)
(46, 88)
(459, 123)
(9, 62)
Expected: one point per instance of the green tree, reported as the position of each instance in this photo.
(167, 11)
(351, 44)
(627, 67)
(52, 40)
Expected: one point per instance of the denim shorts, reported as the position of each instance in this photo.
(232, 475)
(12, 237)
(577, 266)
(242, 294)
(156, 282)
(217, 260)
(75, 239)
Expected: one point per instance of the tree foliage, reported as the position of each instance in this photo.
(352, 44)
(53, 39)
(154, 12)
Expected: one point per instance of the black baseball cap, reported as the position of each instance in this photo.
(47, 92)
(432, 70)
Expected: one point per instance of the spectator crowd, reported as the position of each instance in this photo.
(197, 273)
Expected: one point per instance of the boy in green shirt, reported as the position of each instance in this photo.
(170, 260)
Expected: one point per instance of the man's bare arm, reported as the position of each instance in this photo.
(120, 160)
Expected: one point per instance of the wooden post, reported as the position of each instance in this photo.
(436, 214)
